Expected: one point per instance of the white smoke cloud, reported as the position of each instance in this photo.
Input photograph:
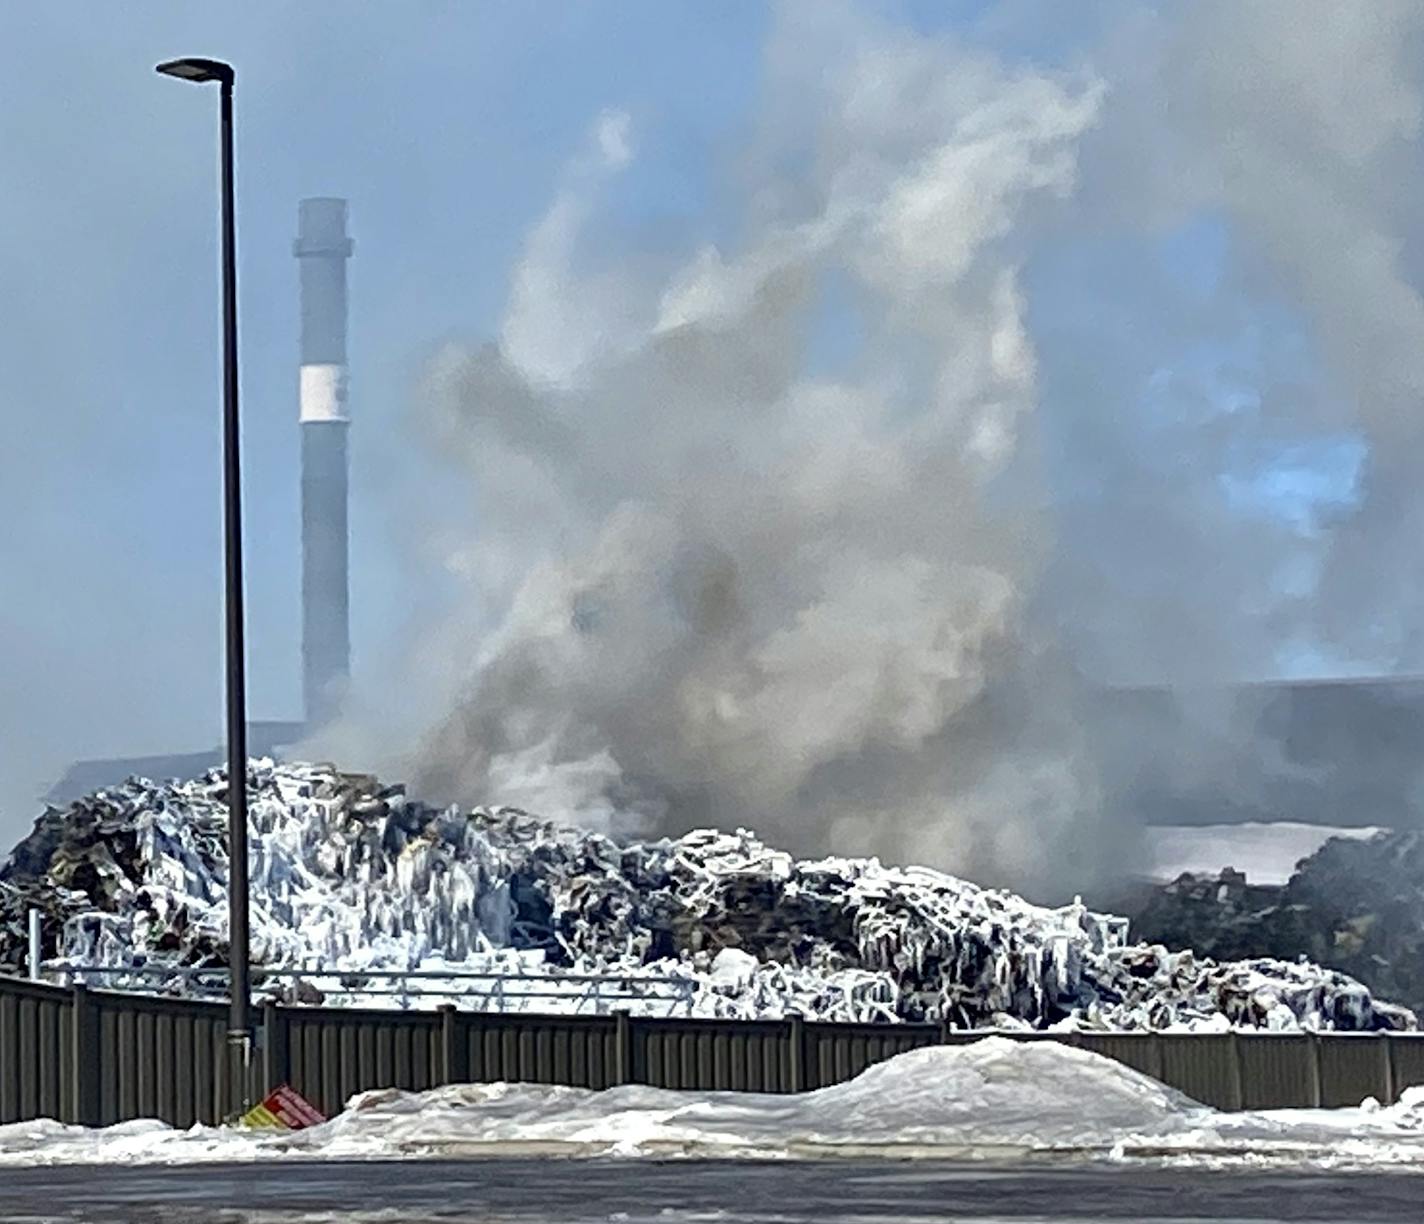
(614, 135)
(819, 530)
(543, 335)
(751, 579)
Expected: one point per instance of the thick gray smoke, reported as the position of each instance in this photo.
(760, 584)
(1234, 432)
(798, 533)
(1293, 126)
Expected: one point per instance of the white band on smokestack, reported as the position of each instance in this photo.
(322, 248)
(323, 393)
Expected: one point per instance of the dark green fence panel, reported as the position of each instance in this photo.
(839, 1052)
(708, 1055)
(100, 1057)
(1204, 1066)
(1353, 1067)
(151, 1057)
(1140, 1051)
(331, 1054)
(1406, 1060)
(1279, 1070)
(574, 1050)
(12, 1054)
(35, 1034)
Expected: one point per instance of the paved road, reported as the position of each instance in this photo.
(565, 1192)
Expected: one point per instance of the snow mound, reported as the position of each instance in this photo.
(994, 1094)
(993, 1099)
(350, 877)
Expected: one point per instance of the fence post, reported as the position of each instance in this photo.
(796, 1054)
(1317, 1074)
(1156, 1057)
(1238, 1090)
(36, 950)
(452, 1046)
(275, 1068)
(622, 1047)
(1388, 1069)
(84, 1054)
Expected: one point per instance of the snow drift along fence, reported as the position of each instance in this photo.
(98, 1057)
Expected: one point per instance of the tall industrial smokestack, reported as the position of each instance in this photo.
(323, 248)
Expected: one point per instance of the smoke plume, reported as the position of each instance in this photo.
(763, 575)
(819, 528)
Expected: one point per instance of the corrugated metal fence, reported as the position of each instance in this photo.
(97, 1057)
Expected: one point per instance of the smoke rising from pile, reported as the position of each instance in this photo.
(765, 585)
(792, 535)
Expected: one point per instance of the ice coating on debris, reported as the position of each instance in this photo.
(993, 1099)
(349, 877)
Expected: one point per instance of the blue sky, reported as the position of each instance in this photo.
(447, 126)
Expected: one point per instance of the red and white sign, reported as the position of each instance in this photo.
(285, 1108)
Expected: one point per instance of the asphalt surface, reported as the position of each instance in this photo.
(568, 1191)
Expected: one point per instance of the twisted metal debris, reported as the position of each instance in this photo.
(351, 876)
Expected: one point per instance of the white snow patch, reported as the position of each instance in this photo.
(993, 1099)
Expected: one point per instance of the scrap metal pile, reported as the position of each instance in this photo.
(351, 877)
(1355, 904)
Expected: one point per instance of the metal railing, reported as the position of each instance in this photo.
(600, 991)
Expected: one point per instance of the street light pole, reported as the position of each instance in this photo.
(239, 1030)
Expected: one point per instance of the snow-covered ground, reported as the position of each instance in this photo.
(1266, 852)
(994, 1099)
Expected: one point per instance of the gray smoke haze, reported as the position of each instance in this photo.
(1296, 125)
(826, 530)
(752, 584)
(1013, 375)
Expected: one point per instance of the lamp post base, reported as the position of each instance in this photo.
(239, 1064)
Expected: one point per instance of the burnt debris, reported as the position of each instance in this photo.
(350, 876)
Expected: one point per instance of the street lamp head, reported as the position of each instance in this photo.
(199, 71)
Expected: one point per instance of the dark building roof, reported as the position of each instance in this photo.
(266, 738)
(1320, 751)
(1335, 751)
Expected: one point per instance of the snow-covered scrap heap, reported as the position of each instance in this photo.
(351, 876)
